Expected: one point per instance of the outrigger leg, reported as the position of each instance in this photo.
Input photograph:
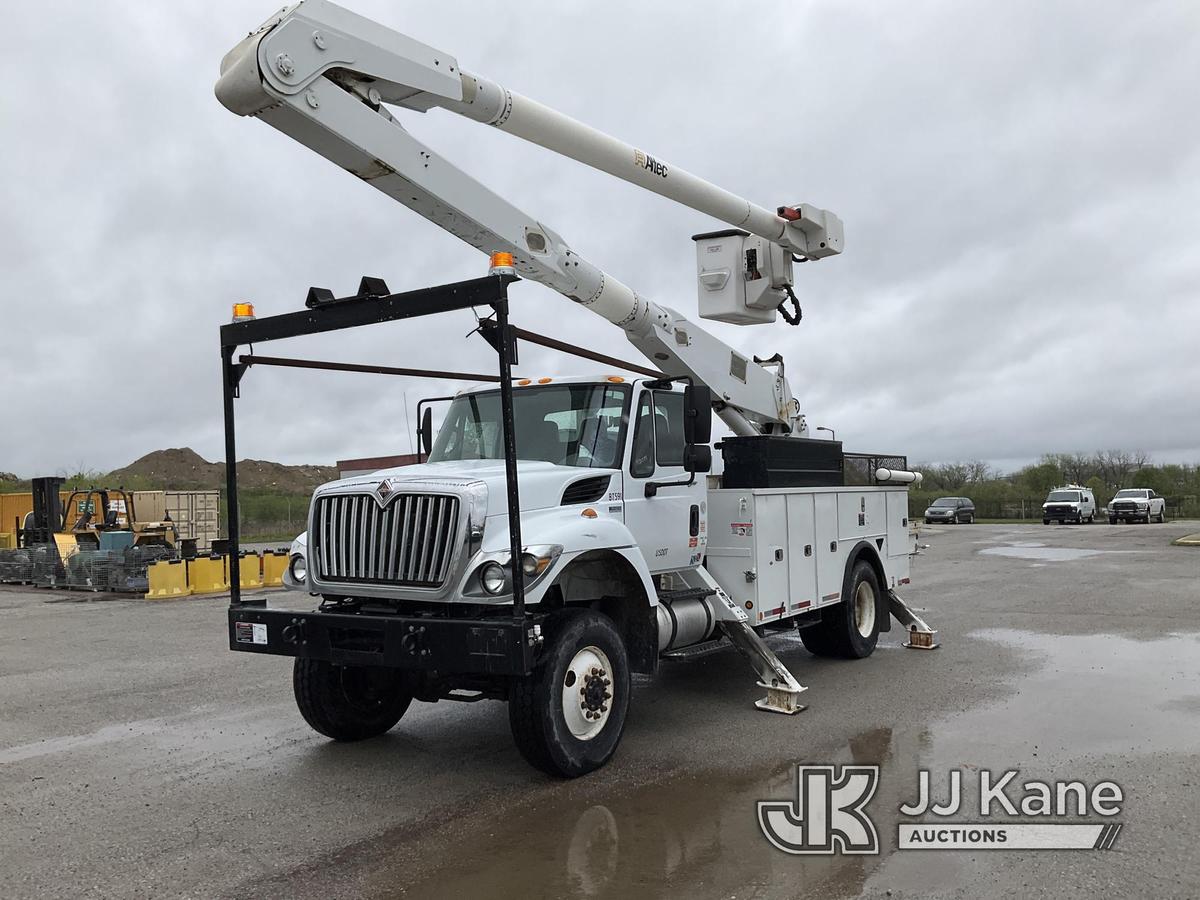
(783, 690)
(920, 635)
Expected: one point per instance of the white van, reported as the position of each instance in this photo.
(1072, 503)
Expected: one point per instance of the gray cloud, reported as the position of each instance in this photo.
(1020, 186)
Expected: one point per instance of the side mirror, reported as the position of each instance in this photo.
(427, 430)
(697, 415)
(697, 458)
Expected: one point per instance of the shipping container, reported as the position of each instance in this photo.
(196, 514)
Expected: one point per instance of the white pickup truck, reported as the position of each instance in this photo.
(1136, 505)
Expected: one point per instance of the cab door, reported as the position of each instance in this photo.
(670, 524)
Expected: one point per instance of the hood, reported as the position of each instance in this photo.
(540, 484)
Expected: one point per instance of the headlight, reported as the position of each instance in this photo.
(299, 568)
(491, 576)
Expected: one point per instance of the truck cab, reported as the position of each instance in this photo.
(587, 451)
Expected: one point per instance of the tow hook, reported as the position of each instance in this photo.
(413, 642)
(294, 633)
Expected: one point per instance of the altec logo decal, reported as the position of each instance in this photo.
(649, 163)
(828, 814)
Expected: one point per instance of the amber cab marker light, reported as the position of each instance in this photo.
(616, 379)
(545, 380)
(589, 513)
(243, 312)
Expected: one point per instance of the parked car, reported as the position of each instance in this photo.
(1136, 505)
(1073, 503)
(951, 510)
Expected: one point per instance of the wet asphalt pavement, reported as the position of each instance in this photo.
(140, 758)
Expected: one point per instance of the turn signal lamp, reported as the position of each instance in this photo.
(589, 513)
(243, 312)
(502, 264)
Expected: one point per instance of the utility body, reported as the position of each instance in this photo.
(562, 533)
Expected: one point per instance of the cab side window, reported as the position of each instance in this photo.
(641, 458)
(668, 427)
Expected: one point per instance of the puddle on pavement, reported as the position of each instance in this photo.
(1039, 551)
(695, 834)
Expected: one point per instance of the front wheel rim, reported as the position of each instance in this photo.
(864, 609)
(587, 693)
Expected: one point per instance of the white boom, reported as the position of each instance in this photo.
(324, 76)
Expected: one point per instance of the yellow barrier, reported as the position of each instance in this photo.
(167, 578)
(250, 571)
(208, 575)
(273, 566)
(8, 541)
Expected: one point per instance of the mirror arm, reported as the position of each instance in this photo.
(653, 486)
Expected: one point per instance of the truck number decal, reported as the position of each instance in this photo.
(614, 495)
(661, 552)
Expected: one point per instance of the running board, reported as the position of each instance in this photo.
(920, 635)
(783, 690)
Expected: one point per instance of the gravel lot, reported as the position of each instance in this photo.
(140, 758)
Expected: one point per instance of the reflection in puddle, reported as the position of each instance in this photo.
(695, 834)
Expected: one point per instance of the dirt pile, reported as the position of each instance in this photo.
(182, 468)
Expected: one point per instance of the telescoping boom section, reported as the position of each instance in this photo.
(327, 77)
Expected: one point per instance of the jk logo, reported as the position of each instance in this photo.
(827, 815)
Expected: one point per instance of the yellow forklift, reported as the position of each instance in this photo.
(105, 519)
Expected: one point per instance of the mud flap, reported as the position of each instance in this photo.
(920, 635)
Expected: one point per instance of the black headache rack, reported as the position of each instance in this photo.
(499, 645)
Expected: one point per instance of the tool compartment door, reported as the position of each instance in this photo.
(898, 541)
(828, 550)
(771, 554)
(802, 550)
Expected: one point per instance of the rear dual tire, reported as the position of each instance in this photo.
(849, 629)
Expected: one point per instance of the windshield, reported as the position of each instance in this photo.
(1131, 492)
(568, 425)
(1063, 497)
(946, 501)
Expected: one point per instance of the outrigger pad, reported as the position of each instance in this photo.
(921, 640)
(780, 699)
(920, 635)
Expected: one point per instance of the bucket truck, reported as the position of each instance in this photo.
(434, 581)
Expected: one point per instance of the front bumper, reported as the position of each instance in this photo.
(500, 645)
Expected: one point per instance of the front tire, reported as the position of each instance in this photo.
(349, 703)
(567, 716)
(848, 629)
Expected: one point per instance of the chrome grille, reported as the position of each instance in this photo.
(408, 541)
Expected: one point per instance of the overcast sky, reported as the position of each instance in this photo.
(1019, 182)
